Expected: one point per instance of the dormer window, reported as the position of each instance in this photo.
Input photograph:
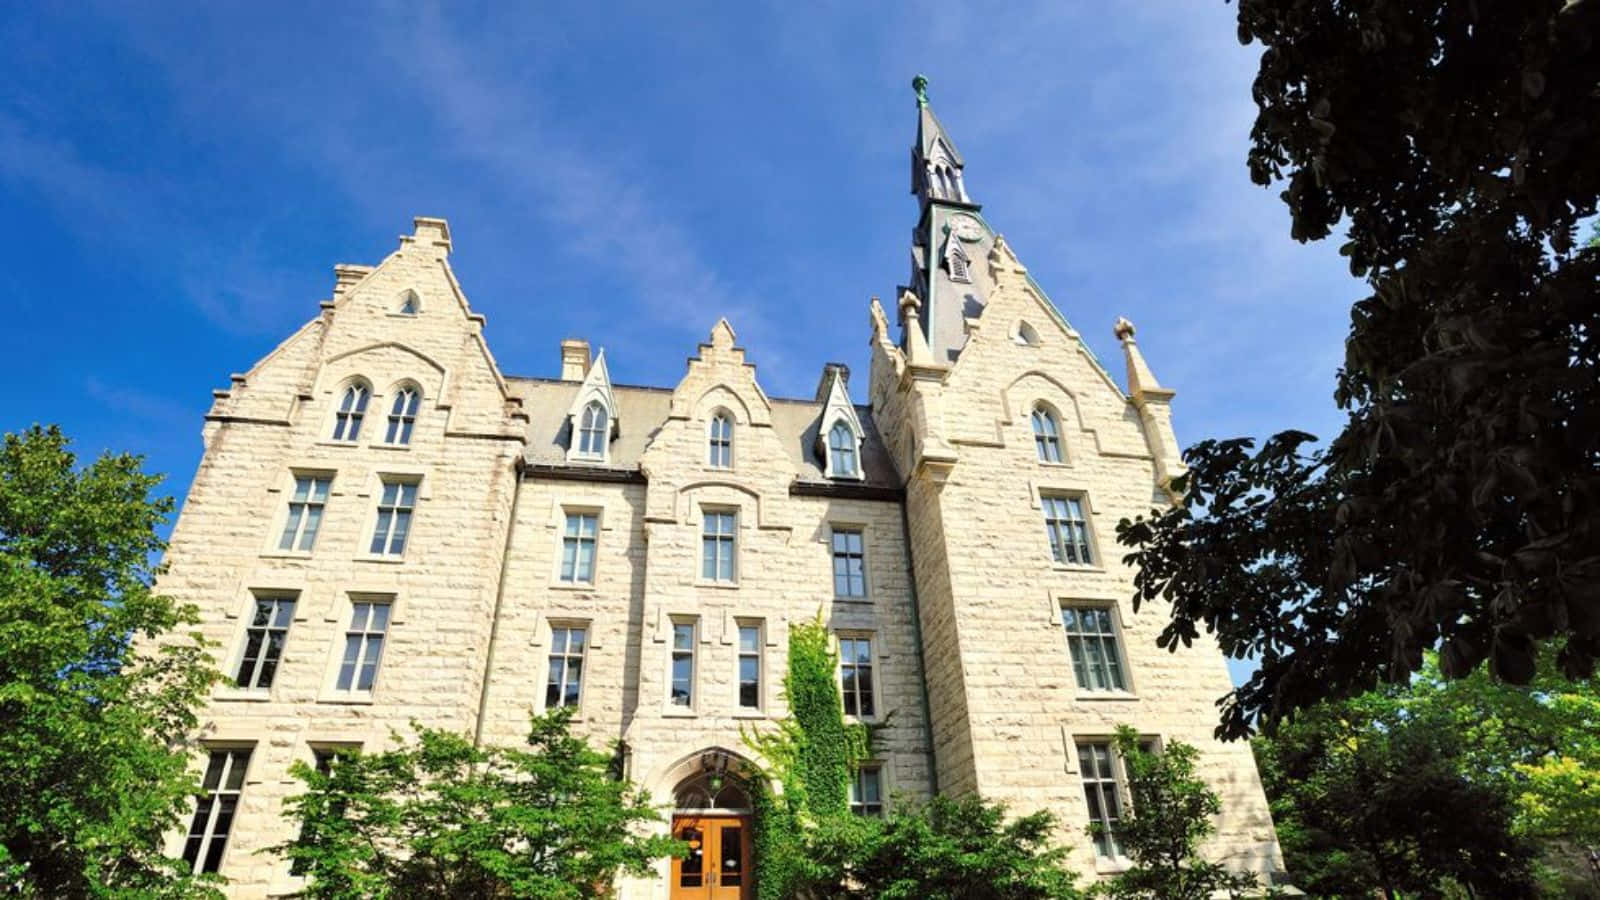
(402, 416)
(1046, 435)
(842, 451)
(352, 407)
(592, 431)
(721, 441)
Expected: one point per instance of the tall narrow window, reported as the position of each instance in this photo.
(849, 563)
(305, 512)
(721, 441)
(214, 812)
(683, 664)
(866, 791)
(1100, 792)
(855, 675)
(566, 666)
(1092, 640)
(749, 666)
(1046, 435)
(363, 645)
(394, 517)
(263, 642)
(577, 548)
(402, 415)
(842, 450)
(322, 760)
(1067, 530)
(717, 546)
(352, 406)
(592, 431)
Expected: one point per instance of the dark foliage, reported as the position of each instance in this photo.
(98, 685)
(1458, 507)
(1374, 794)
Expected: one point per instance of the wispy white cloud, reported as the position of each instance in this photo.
(143, 407)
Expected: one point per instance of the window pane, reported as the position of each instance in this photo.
(749, 638)
(682, 636)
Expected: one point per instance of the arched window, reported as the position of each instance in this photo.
(402, 415)
(721, 442)
(1026, 334)
(592, 431)
(352, 406)
(842, 450)
(410, 303)
(1046, 435)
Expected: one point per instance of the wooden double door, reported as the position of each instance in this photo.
(718, 864)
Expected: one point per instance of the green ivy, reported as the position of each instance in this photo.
(810, 756)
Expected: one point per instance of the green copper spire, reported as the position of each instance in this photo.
(920, 85)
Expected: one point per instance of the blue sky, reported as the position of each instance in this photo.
(177, 184)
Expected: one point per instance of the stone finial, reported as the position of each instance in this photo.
(1142, 384)
(722, 336)
(920, 85)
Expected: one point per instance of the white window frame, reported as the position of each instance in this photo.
(397, 508)
(1113, 635)
(362, 631)
(578, 538)
(402, 418)
(217, 795)
(857, 802)
(692, 652)
(854, 448)
(871, 681)
(280, 621)
(591, 438)
(860, 533)
(1048, 445)
(743, 653)
(726, 545)
(720, 442)
(566, 656)
(295, 519)
(347, 422)
(1054, 528)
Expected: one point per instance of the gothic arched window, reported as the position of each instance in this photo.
(352, 406)
(592, 431)
(1046, 435)
(842, 451)
(410, 303)
(721, 441)
(402, 415)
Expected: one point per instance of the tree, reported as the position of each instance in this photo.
(1375, 793)
(947, 849)
(438, 817)
(97, 693)
(1170, 813)
(1458, 507)
(809, 845)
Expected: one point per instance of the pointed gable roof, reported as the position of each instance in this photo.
(596, 386)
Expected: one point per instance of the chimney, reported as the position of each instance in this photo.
(829, 370)
(574, 359)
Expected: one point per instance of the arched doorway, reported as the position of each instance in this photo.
(713, 814)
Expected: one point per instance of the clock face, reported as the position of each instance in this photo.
(966, 227)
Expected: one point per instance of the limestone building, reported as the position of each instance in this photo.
(386, 528)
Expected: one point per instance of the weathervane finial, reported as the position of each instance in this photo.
(920, 85)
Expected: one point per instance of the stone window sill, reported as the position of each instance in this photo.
(718, 585)
(1076, 567)
(243, 695)
(1093, 696)
(559, 585)
(347, 699)
(679, 712)
(1114, 865)
(286, 554)
(379, 560)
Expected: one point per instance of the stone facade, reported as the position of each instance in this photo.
(962, 599)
